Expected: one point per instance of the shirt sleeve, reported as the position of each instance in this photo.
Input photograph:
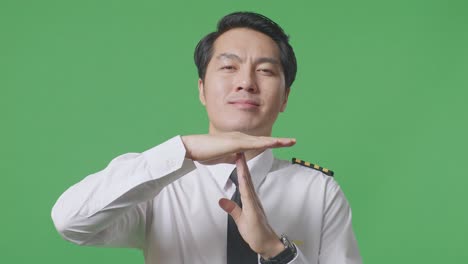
(338, 243)
(112, 207)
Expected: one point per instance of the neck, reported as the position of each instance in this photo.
(250, 154)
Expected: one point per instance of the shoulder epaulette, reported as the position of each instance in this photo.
(312, 166)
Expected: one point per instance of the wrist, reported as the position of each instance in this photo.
(273, 249)
(287, 255)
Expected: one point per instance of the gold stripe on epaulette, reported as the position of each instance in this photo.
(312, 166)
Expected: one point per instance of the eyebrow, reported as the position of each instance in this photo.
(237, 58)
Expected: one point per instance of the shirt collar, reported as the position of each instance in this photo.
(259, 166)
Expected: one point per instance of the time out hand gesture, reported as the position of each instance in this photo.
(222, 148)
(251, 219)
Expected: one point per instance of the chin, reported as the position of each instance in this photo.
(246, 128)
(245, 123)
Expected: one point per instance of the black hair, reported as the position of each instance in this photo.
(254, 21)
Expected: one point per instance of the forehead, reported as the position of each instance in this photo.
(246, 43)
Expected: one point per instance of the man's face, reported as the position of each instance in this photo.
(244, 87)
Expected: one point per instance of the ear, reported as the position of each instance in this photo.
(285, 100)
(201, 92)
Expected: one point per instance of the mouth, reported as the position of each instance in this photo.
(245, 103)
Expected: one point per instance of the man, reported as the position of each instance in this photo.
(171, 201)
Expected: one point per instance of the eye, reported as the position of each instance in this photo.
(228, 67)
(266, 71)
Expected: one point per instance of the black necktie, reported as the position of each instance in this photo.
(238, 251)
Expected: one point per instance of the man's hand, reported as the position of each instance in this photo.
(251, 219)
(211, 149)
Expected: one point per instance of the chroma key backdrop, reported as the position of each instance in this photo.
(380, 99)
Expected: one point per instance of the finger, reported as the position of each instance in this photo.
(283, 142)
(246, 188)
(271, 142)
(249, 196)
(243, 169)
(231, 208)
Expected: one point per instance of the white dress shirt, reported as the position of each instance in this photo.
(167, 206)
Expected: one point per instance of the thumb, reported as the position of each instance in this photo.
(231, 208)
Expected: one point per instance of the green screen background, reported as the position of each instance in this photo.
(380, 98)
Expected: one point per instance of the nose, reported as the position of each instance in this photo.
(247, 81)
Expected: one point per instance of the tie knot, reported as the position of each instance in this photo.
(233, 177)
